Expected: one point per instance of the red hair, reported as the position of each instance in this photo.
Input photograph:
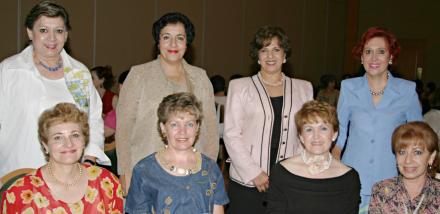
(372, 32)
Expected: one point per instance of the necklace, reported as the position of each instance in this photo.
(317, 164)
(381, 91)
(377, 93)
(416, 210)
(177, 170)
(66, 185)
(51, 69)
(274, 84)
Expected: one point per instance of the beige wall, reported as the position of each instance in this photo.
(118, 32)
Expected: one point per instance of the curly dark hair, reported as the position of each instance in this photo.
(263, 37)
(105, 72)
(174, 18)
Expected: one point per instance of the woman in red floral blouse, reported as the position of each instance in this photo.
(416, 148)
(64, 185)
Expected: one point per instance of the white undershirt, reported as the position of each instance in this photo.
(56, 92)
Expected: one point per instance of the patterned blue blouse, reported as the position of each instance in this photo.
(153, 190)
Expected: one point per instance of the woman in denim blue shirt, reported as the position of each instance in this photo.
(177, 179)
(370, 108)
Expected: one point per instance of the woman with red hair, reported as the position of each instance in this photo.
(370, 107)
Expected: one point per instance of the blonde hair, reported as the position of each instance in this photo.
(62, 113)
(178, 103)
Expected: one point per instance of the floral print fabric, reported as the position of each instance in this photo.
(390, 196)
(31, 194)
(77, 82)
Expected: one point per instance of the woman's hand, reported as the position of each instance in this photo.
(261, 182)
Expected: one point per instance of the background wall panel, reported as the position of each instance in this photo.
(119, 33)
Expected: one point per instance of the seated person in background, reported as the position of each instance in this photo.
(328, 93)
(219, 85)
(432, 117)
(110, 117)
(314, 181)
(414, 191)
(103, 80)
(64, 185)
(177, 179)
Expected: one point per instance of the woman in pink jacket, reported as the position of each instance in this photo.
(259, 120)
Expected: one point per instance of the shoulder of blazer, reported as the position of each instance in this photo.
(406, 85)
(301, 83)
(243, 82)
(352, 83)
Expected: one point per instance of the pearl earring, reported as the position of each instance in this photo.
(362, 61)
(284, 61)
(390, 62)
(258, 62)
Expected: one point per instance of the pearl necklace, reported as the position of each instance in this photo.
(317, 164)
(377, 93)
(178, 170)
(66, 185)
(381, 91)
(275, 84)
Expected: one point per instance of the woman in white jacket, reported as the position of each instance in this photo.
(259, 120)
(38, 78)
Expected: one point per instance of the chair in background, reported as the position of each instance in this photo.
(7, 180)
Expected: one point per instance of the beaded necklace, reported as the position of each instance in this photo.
(65, 184)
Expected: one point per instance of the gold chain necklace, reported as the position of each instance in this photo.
(65, 184)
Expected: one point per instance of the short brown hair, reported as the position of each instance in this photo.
(264, 35)
(62, 113)
(48, 9)
(178, 103)
(313, 110)
(418, 133)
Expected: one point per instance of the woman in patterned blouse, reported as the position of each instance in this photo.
(64, 185)
(415, 145)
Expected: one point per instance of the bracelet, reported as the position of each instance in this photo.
(90, 162)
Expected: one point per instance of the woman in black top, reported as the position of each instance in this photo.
(314, 182)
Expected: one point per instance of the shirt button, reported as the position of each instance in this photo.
(284, 142)
(285, 130)
(372, 141)
(281, 156)
(285, 116)
(371, 161)
(188, 187)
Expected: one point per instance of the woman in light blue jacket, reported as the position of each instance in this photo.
(370, 108)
